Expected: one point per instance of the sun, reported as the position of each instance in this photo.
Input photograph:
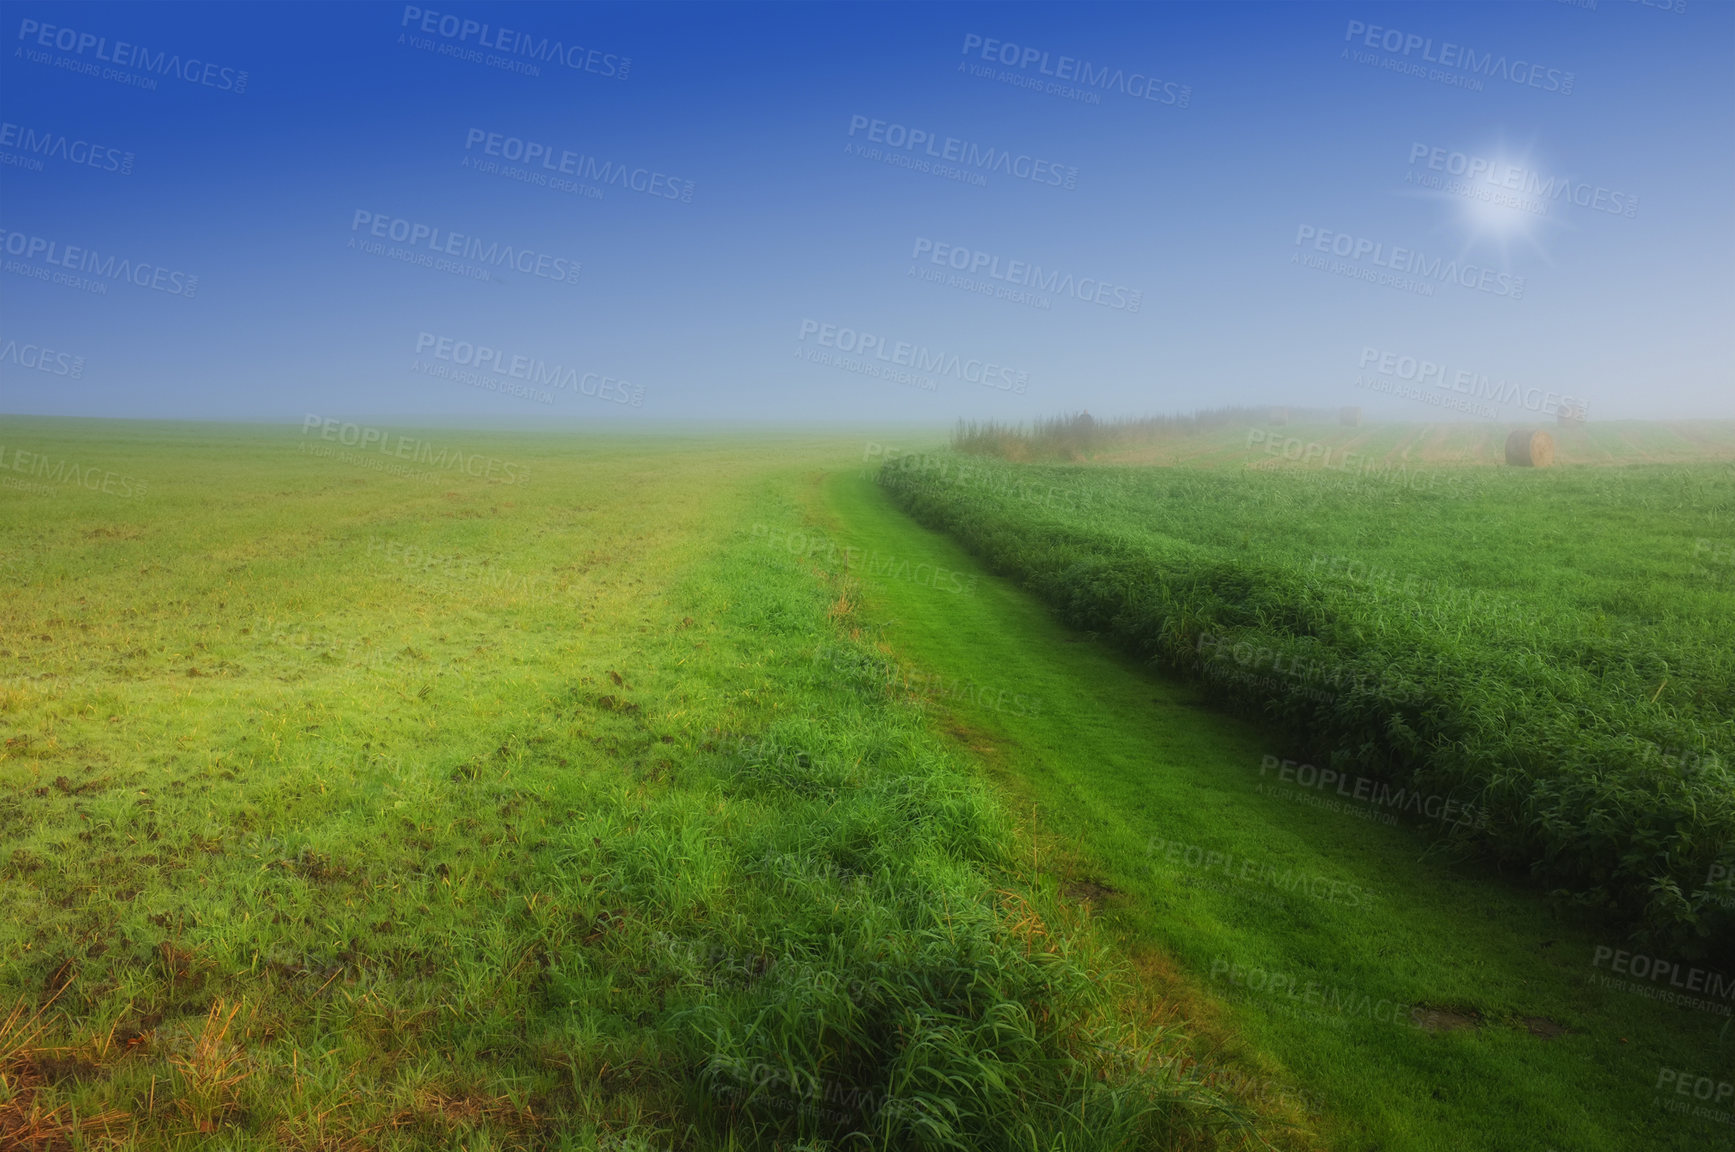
(1492, 197)
(1502, 202)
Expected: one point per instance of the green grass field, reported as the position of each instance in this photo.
(1547, 649)
(689, 794)
(1452, 1007)
(345, 809)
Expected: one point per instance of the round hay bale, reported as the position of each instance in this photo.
(1527, 449)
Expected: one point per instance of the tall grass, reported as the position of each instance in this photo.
(1584, 697)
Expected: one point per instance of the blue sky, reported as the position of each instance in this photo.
(1479, 205)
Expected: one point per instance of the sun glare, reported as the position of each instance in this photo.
(1492, 197)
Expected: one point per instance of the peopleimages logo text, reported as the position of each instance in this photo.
(1378, 793)
(1675, 975)
(1028, 275)
(916, 357)
(56, 145)
(449, 243)
(1450, 55)
(460, 30)
(41, 359)
(1408, 262)
(1477, 384)
(950, 148)
(540, 373)
(1485, 174)
(566, 162)
(56, 254)
(96, 479)
(1080, 72)
(124, 55)
(438, 458)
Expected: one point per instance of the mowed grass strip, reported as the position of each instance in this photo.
(345, 809)
(1421, 1001)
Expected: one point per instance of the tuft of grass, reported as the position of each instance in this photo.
(210, 1072)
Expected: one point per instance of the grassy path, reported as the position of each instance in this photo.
(1424, 1003)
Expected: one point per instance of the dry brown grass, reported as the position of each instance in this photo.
(27, 1124)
